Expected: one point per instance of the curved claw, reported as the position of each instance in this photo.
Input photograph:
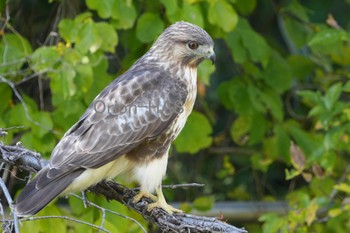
(161, 203)
(142, 194)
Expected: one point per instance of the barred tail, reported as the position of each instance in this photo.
(41, 191)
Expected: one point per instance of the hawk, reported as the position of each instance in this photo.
(129, 126)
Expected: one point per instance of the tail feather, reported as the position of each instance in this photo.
(33, 199)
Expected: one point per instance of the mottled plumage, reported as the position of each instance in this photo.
(130, 125)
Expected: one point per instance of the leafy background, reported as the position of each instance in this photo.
(271, 121)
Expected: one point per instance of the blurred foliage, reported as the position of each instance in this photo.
(272, 123)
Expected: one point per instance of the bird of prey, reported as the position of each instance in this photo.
(129, 126)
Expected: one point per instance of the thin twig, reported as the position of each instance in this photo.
(26, 111)
(10, 202)
(175, 186)
(111, 211)
(65, 218)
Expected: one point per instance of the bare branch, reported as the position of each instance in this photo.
(25, 107)
(164, 221)
(65, 218)
(110, 211)
(32, 162)
(175, 186)
(21, 157)
(10, 202)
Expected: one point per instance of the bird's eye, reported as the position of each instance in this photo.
(193, 45)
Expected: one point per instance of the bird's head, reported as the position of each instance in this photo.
(186, 43)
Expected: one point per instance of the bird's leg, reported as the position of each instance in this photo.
(161, 203)
(142, 194)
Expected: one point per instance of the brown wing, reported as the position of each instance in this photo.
(136, 107)
(140, 105)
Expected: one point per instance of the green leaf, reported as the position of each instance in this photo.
(89, 38)
(111, 226)
(343, 187)
(308, 142)
(239, 52)
(109, 35)
(88, 35)
(234, 95)
(170, 6)
(239, 130)
(310, 97)
(195, 135)
(310, 213)
(327, 37)
(270, 149)
(192, 14)
(44, 144)
(69, 30)
(277, 74)
(13, 52)
(283, 143)
(16, 116)
(223, 15)
(45, 58)
(332, 95)
(123, 14)
(67, 113)
(290, 174)
(203, 203)
(6, 95)
(149, 26)
(45, 123)
(272, 223)
(273, 103)
(258, 128)
(260, 163)
(83, 78)
(291, 26)
(17, 44)
(248, 129)
(245, 7)
(300, 66)
(334, 212)
(255, 98)
(259, 51)
(87, 215)
(62, 83)
(44, 224)
(104, 8)
(77, 205)
(296, 9)
(245, 41)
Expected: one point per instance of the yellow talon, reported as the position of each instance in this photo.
(142, 194)
(161, 203)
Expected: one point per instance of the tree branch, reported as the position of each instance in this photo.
(31, 161)
(165, 222)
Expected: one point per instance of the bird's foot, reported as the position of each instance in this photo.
(159, 201)
(142, 194)
(163, 205)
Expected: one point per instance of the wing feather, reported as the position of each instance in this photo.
(135, 107)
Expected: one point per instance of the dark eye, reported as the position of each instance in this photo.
(193, 45)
